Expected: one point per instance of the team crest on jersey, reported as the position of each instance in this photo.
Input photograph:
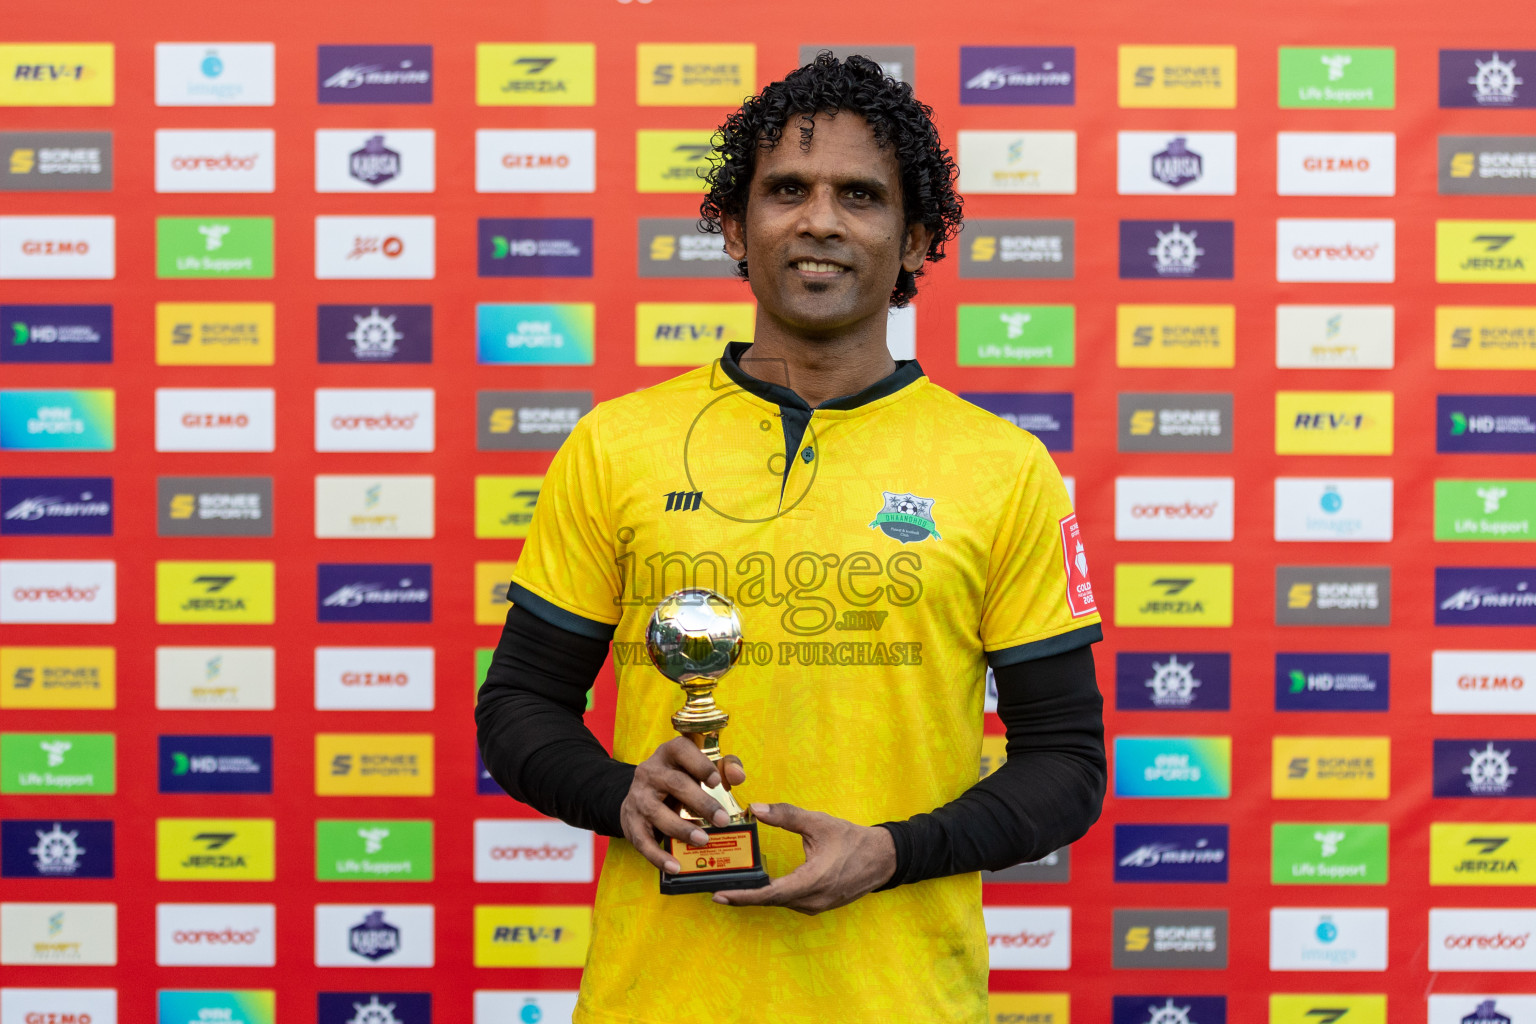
(906, 518)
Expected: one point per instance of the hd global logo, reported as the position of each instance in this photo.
(1334, 422)
(1485, 337)
(1046, 414)
(215, 849)
(535, 247)
(1331, 767)
(694, 74)
(504, 505)
(1328, 853)
(1166, 1009)
(1341, 681)
(1485, 251)
(1333, 1008)
(1194, 336)
(689, 333)
(1173, 594)
(373, 851)
(373, 764)
(1170, 939)
(215, 764)
(83, 419)
(215, 334)
(55, 334)
(1016, 335)
(1485, 853)
(58, 677)
(542, 334)
(1173, 681)
(532, 936)
(1173, 767)
(201, 247)
(209, 593)
(237, 1006)
(57, 75)
(40, 762)
(1474, 423)
(1178, 76)
(537, 74)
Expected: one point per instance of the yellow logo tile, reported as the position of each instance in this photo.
(56, 74)
(1327, 1008)
(1333, 423)
(1175, 336)
(689, 333)
(214, 334)
(1173, 594)
(504, 505)
(1028, 1008)
(491, 602)
(532, 936)
(672, 161)
(1485, 337)
(373, 764)
(58, 677)
(214, 592)
(1485, 251)
(1178, 76)
(215, 849)
(695, 74)
(535, 74)
(994, 751)
(1331, 767)
(1485, 853)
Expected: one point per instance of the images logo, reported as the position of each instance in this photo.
(1178, 76)
(543, 334)
(537, 74)
(373, 935)
(1477, 423)
(1171, 853)
(1332, 682)
(1485, 768)
(1015, 249)
(527, 420)
(55, 161)
(373, 851)
(1486, 78)
(215, 592)
(1333, 509)
(1046, 414)
(215, 764)
(1308, 939)
(56, 74)
(1173, 681)
(1163, 594)
(1018, 75)
(1490, 596)
(504, 505)
(1347, 853)
(671, 161)
(1014, 162)
(374, 593)
(535, 247)
(215, 849)
(56, 506)
(374, 74)
(689, 333)
(374, 334)
(1173, 766)
(1337, 77)
(1175, 421)
(1331, 767)
(694, 74)
(1170, 939)
(55, 848)
(214, 74)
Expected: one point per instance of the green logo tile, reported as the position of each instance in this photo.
(213, 247)
(1017, 335)
(58, 762)
(1338, 76)
(1329, 854)
(1485, 510)
(373, 851)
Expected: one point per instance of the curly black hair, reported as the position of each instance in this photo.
(829, 85)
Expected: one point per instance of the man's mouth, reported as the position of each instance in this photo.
(818, 267)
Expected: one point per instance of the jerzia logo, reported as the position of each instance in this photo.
(906, 518)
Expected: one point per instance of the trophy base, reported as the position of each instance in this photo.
(731, 860)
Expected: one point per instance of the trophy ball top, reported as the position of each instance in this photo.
(694, 634)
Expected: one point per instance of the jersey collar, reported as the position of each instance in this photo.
(907, 371)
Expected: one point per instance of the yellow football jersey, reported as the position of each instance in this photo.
(906, 539)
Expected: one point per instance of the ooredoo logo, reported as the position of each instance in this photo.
(215, 161)
(1029, 938)
(531, 851)
(58, 592)
(215, 419)
(545, 852)
(1335, 250)
(374, 420)
(1173, 508)
(1481, 940)
(215, 934)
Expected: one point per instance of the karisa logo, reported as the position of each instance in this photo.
(1178, 165)
(374, 938)
(375, 163)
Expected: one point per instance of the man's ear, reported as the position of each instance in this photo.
(915, 247)
(735, 234)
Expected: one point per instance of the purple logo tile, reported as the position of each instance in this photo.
(1485, 768)
(1046, 414)
(377, 1008)
(1332, 682)
(1488, 78)
(56, 506)
(55, 848)
(55, 334)
(215, 764)
(375, 334)
(1176, 249)
(535, 247)
(1167, 681)
(1169, 1010)
(484, 784)
(1485, 596)
(375, 74)
(1171, 853)
(1018, 75)
(357, 592)
(1485, 423)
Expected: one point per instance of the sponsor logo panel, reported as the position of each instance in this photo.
(694, 74)
(55, 848)
(204, 247)
(214, 506)
(1485, 338)
(1160, 1008)
(58, 1006)
(1486, 78)
(543, 160)
(375, 420)
(375, 678)
(215, 419)
(215, 334)
(1497, 510)
(55, 161)
(373, 851)
(1333, 939)
(376, 160)
(532, 936)
(544, 334)
(1176, 250)
(374, 592)
(1173, 767)
(56, 334)
(1331, 767)
(1485, 853)
(895, 62)
(215, 849)
(1173, 507)
(58, 248)
(1485, 939)
(1484, 596)
(215, 764)
(377, 1008)
(1338, 77)
(1476, 423)
(215, 935)
(1334, 422)
(1203, 336)
(1046, 414)
(1332, 682)
(1035, 1007)
(215, 74)
(58, 677)
(689, 333)
(536, 74)
(1018, 249)
(215, 678)
(504, 505)
(242, 160)
(1170, 939)
(675, 247)
(58, 934)
(374, 935)
(1485, 251)
(1316, 1009)
(535, 247)
(56, 506)
(49, 592)
(1485, 768)
(374, 334)
(1335, 250)
(1178, 76)
(374, 74)
(1177, 163)
(527, 420)
(57, 74)
(1328, 853)
(523, 850)
(1173, 594)
(1035, 163)
(1175, 421)
(373, 764)
(1016, 335)
(493, 1006)
(1482, 165)
(672, 161)
(375, 248)
(1483, 682)
(1173, 681)
(1333, 508)
(374, 506)
(1017, 76)
(491, 604)
(1328, 337)
(1028, 938)
(1171, 853)
(210, 593)
(1481, 1009)
(240, 1006)
(1054, 867)
(1336, 164)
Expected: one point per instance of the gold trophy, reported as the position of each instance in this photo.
(694, 637)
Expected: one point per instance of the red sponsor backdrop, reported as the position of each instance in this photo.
(1415, 28)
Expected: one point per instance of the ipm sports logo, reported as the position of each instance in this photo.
(211, 593)
(1170, 939)
(1173, 766)
(536, 74)
(374, 1008)
(1016, 335)
(1485, 768)
(58, 677)
(215, 764)
(544, 334)
(1203, 336)
(1485, 337)
(370, 592)
(527, 420)
(672, 161)
(1485, 251)
(1491, 79)
(1018, 75)
(532, 936)
(1173, 594)
(1328, 853)
(1482, 165)
(1331, 767)
(56, 506)
(1171, 853)
(374, 74)
(55, 848)
(373, 764)
(1166, 1009)
(55, 334)
(83, 419)
(1333, 595)
(55, 161)
(57, 74)
(215, 849)
(1328, 1009)
(1485, 853)
(1173, 681)
(535, 247)
(694, 74)
(382, 851)
(247, 1006)
(374, 334)
(1485, 596)
(1046, 414)
(1332, 682)
(1178, 76)
(1480, 423)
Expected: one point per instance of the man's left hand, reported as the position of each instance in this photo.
(843, 861)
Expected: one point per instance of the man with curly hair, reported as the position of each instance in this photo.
(884, 542)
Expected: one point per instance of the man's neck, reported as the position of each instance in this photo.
(820, 369)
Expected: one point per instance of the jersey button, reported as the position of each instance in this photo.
(807, 455)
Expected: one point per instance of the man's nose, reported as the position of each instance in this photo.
(820, 215)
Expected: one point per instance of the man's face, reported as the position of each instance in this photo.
(825, 233)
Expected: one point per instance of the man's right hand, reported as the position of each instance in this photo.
(668, 779)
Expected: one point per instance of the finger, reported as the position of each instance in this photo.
(787, 817)
(735, 774)
(683, 754)
(784, 891)
(670, 823)
(637, 831)
(686, 791)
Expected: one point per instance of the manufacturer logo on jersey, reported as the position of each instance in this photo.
(694, 74)
(1028, 938)
(58, 248)
(1046, 414)
(1018, 75)
(1479, 423)
(214, 74)
(56, 74)
(535, 247)
(1486, 78)
(1170, 939)
(1331, 767)
(224, 247)
(1173, 681)
(1343, 939)
(1175, 421)
(374, 74)
(906, 518)
(37, 591)
(211, 593)
(1485, 768)
(1485, 596)
(1333, 509)
(374, 334)
(1017, 335)
(375, 160)
(1337, 77)
(373, 851)
(55, 334)
(1328, 853)
(1014, 162)
(1031, 249)
(55, 848)
(671, 161)
(1177, 163)
(55, 161)
(1178, 76)
(1171, 853)
(373, 764)
(58, 677)
(532, 936)
(1481, 165)
(215, 849)
(215, 764)
(1492, 939)
(1484, 682)
(56, 506)
(1332, 682)
(375, 1008)
(1173, 766)
(1169, 1010)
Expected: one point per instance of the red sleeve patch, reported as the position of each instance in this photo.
(1079, 589)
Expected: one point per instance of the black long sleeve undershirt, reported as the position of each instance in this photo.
(1045, 795)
